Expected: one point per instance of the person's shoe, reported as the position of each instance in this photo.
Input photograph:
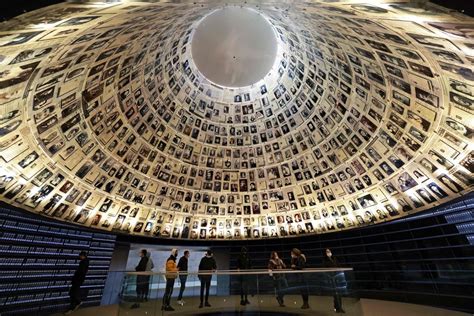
(136, 305)
(242, 302)
(340, 311)
(169, 308)
(305, 306)
(200, 305)
(247, 302)
(145, 299)
(207, 304)
(180, 302)
(77, 307)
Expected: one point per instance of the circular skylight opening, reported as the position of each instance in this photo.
(234, 47)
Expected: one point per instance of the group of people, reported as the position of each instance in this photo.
(172, 270)
(280, 283)
(208, 266)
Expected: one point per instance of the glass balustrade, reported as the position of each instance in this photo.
(262, 292)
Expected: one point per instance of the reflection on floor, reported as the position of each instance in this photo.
(320, 306)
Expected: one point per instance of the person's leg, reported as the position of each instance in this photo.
(284, 286)
(170, 285)
(278, 286)
(245, 285)
(139, 292)
(208, 285)
(182, 279)
(203, 284)
(337, 302)
(75, 296)
(304, 294)
(146, 287)
(139, 289)
(244, 290)
(241, 279)
(165, 295)
(172, 289)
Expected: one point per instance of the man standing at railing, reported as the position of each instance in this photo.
(141, 278)
(183, 268)
(207, 265)
(171, 274)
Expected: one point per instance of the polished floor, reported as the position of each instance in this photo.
(320, 306)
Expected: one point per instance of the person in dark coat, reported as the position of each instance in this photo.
(279, 279)
(208, 265)
(183, 276)
(298, 262)
(141, 279)
(329, 261)
(243, 263)
(77, 280)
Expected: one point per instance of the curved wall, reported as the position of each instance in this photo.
(107, 122)
(425, 259)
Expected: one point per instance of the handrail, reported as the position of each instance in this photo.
(240, 272)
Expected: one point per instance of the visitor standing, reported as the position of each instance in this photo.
(279, 280)
(298, 262)
(183, 275)
(329, 261)
(146, 278)
(77, 281)
(207, 266)
(171, 274)
(243, 263)
(141, 278)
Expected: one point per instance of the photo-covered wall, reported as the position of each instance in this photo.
(106, 122)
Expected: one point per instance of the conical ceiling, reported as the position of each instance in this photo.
(106, 120)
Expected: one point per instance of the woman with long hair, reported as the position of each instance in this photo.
(298, 262)
(279, 280)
